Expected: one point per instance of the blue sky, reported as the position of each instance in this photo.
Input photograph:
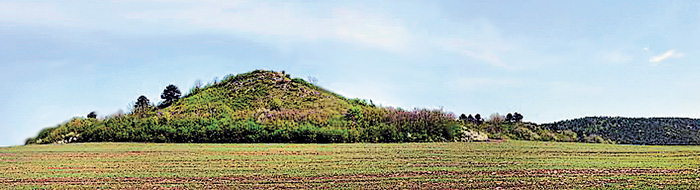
(550, 60)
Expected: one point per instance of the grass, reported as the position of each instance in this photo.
(509, 164)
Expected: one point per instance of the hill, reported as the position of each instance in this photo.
(653, 131)
(260, 106)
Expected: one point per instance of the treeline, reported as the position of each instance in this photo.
(652, 131)
(511, 126)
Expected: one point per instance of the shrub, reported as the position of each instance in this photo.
(275, 104)
(594, 138)
(524, 133)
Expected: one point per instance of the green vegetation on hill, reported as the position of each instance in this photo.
(654, 131)
(260, 106)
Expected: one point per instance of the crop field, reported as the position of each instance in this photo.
(488, 165)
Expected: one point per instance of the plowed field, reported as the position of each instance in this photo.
(488, 165)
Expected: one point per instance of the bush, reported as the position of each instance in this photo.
(524, 133)
(546, 135)
(567, 136)
(594, 139)
(275, 104)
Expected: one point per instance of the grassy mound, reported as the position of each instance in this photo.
(260, 106)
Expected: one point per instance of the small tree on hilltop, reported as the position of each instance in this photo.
(477, 119)
(142, 104)
(92, 115)
(142, 101)
(470, 118)
(509, 118)
(517, 117)
(170, 95)
(463, 117)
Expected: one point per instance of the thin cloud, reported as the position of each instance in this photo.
(288, 22)
(469, 83)
(478, 50)
(34, 13)
(669, 54)
(616, 57)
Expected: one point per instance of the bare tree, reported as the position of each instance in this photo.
(312, 80)
(496, 118)
(198, 83)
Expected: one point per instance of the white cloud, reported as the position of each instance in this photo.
(669, 54)
(290, 22)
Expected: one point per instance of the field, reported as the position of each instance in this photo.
(490, 165)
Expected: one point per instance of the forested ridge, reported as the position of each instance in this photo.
(624, 130)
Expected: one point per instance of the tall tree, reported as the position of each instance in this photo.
(478, 119)
(142, 103)
(471, 119)
(170, 94)
(463, 117)
(509, 118)
(518, 117)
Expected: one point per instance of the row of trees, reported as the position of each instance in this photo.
(143, 104)
(169, 96)
(476, 119)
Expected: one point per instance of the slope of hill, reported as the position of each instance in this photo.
(260, 106)
(654, 131)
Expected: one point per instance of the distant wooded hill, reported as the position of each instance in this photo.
(652, 131)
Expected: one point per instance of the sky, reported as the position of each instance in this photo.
(549, 60)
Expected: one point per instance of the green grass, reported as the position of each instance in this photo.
(511, 164)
